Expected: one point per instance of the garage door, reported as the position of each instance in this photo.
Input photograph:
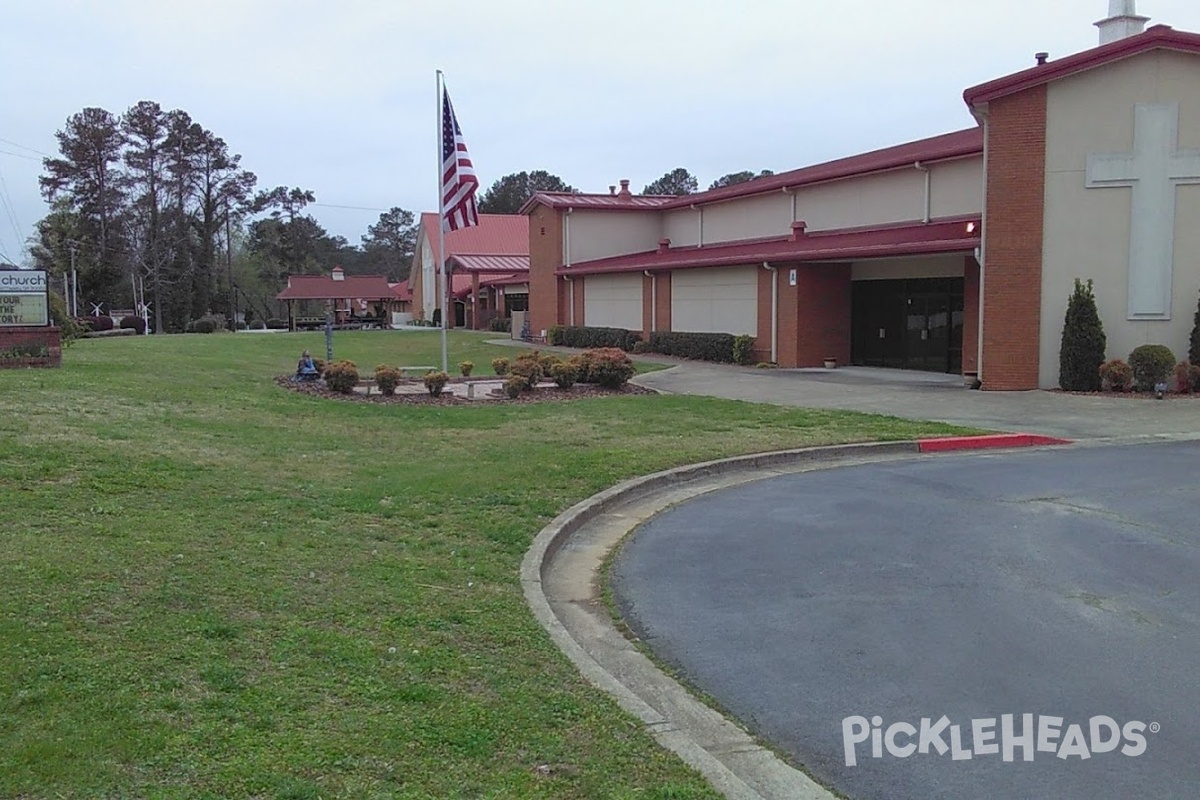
(715, 300)
(613, 301)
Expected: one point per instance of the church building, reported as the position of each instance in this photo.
(954, 254)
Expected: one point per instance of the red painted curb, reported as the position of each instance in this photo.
(984, 442)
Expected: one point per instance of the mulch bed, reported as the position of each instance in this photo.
(579, 391)
(1131, 395)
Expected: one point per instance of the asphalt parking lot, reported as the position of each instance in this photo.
(831, 610)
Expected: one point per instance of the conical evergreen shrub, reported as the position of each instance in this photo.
(1083, 342)
(1194, 344)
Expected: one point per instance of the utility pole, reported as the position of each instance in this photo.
(229, 269)
(74, 298)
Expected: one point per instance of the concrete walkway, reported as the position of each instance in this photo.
(930, 396)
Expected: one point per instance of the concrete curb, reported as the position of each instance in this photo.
(724, 753)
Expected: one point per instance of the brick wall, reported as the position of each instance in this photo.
(789, 306)
(762, 337)
(647, 306)
(822, 314)
(970, 342)
(1012, 276)
(50, 337)
(580, 287)
(664, 301)
(545, 256)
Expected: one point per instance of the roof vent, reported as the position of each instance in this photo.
(338, 275)
(1123, 21)
(612, 189)
(798, 229)
(1042, 58)
(625, 194)
(664, 245)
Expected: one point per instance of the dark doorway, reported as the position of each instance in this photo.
(908, 324)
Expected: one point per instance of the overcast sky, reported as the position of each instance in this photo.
(339, 97)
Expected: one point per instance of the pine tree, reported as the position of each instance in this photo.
(1194, 344)
(1083, 342)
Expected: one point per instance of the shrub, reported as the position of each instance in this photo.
(1194, 378)
(319, 363)
(277, 324)
(528, 370)
(341, 376)
(597, 337)
(716, 347)
(1083, 342)
(609, 367)
(500, 366)
(514, 386)
(241, 326)
(96, 323)
(583, 367)
(387, 379)
(435, 382)
(465, 368)
(640, 347)
(1194, 341)
(70, 330)
(1116, 376)
(134, 323)
(767, 365)
(743, 350)
(554, 335)
(1182, 378)
(564, 374)
(546, 361)
(1151, 364)
(500, 325)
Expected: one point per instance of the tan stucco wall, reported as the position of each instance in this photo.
(897, 196)
(613, 301)
(956, 188)
(895, 268)
(599, 234)
(681, 227)
(1087, 230)
(721, 300)
(750, 218)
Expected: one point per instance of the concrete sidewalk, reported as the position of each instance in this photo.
(943, 398)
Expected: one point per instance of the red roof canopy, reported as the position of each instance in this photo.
(611, 202)
(1157, 37)
(323, 287)
(496, 234)
(488, 263)
(944, 236)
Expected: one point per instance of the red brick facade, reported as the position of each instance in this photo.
(970, 340)
(545, 256)
(1012, 278)
(48, 337)
(822, 314)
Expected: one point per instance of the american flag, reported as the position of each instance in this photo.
(458, 176)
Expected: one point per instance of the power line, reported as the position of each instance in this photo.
(23, 147)
(20, 155)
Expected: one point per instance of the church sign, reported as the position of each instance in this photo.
(24, 298)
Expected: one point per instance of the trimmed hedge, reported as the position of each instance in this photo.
(716, 347)
(1151, 364)
(587, 338)
(96, 323)
(134, 323)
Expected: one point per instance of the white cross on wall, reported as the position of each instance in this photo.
(1154, 168)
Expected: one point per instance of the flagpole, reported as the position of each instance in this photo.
(443, 281)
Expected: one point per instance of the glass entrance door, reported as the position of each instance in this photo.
(908, 324)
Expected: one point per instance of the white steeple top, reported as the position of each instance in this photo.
(1123, 21)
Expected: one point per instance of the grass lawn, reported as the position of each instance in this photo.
(212, 587)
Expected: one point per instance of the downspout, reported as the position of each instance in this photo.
(774, 311)
(567, 237)
(653, 300)
(571, 311)
(928, 186)
(981, 253)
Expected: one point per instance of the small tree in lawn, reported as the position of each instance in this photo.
(1194, 344)
(1083, 342)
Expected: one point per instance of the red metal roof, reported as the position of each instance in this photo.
(1157, 37)
(323, 287)
(402, 291)
(461, 289)
(506, 280)
(489, 263)
(959, 144)
(496, 234)
(613, 202)
(943, 236)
